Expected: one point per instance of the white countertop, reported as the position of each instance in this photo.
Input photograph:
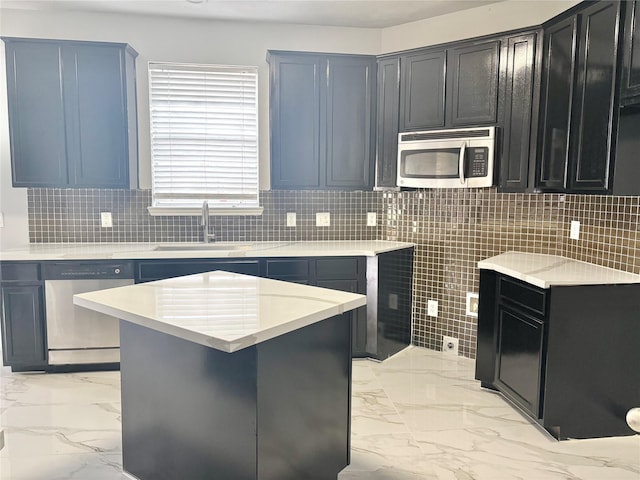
(107, 251)
(545, 271)
(222, 310)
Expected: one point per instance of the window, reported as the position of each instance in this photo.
(204, 137)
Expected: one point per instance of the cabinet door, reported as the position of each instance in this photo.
(472, 84)
(94, 89)
(350, 112)
(594, 108)
(518, 148)
(36, 114)
(631, 67)
(555, 106)
(295, 121)
(519, 364)
(297, 270)
(422, 85)
(23, 338)
(387, 122)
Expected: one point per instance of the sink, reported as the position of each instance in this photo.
(201, 246)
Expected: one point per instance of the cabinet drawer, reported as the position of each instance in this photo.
(19, 272)
(148, 271)
(288, 268)
(338, 268)
(522, 294)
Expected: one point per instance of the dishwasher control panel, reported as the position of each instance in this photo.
(86, 270)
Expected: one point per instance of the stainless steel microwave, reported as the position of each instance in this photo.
(456, 158)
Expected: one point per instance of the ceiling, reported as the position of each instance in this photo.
(352, 13)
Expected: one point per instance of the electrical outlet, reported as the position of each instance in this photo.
(574, 233)
(450, 345)
(323, 219)
(105, 220)
(372, 219)
(291, 219)
(472, 304)
(393, 301)
(432, 308)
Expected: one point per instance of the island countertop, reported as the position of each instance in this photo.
(132, 251)
(545, 271)
(222, 310)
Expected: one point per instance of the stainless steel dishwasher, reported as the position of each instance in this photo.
(76, 335)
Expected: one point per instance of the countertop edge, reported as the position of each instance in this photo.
(228, 346)
(537, 278)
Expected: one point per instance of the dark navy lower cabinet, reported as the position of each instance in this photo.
(23, 317)
(562, 355)
(380, 329)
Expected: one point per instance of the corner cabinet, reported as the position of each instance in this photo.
(630, 93)
(72, 113)
(23, 316)
(554, 353)
(578, 118)
(322, 120)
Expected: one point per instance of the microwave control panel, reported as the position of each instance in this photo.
(477, 162)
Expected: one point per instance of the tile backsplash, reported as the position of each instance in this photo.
(453, 230)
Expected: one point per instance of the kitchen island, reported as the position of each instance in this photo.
(230, 376)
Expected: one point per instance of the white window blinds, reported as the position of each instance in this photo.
(204, 135)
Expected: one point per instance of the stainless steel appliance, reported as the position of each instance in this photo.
(456, 158)
(76, 335)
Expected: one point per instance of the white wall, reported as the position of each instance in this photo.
(475, 22)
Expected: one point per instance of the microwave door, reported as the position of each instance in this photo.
(432, 166)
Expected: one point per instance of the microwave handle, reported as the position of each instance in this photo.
(463, 148)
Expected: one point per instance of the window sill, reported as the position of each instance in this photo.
(192, 212)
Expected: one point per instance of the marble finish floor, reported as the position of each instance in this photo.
(418, 415)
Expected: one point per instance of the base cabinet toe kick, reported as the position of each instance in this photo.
(562, 355)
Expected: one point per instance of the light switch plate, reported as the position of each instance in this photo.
(105, 220)
(393, 301)
(574, 233)
(323, 219)
(372, 219)
(1, 220)
(432, 308)
(472, 304)
(291, 219)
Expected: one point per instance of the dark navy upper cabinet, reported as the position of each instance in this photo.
(450, 87)
(422, 90)
(72, 113)
(322, 120)
(472, 89)
(631, 56)
(578, 118)
(387, 122)
(295, 82)
(520, 94)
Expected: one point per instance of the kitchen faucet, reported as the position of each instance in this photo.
(206, 236)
